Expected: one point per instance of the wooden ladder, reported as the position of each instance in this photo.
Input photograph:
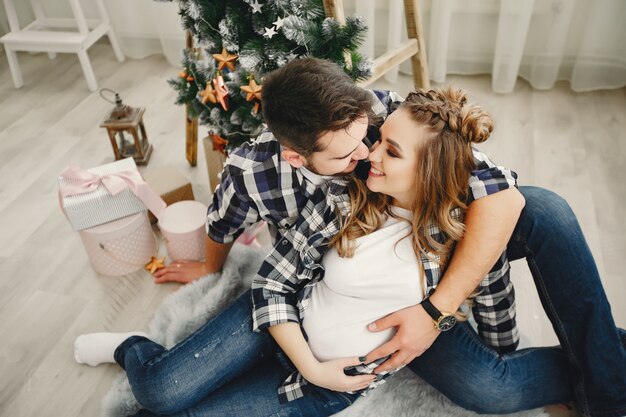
(414, 48)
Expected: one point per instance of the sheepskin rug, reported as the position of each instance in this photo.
(182, 312)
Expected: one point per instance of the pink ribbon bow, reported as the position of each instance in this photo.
(83, 181)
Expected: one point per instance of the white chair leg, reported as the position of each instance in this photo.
(116, 45)
(87, 70)
(14, 66)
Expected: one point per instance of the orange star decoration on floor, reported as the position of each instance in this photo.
(219, 143)
(221, 91)
(225, 60)
(254, 92)
(155, 264)
(208, 94)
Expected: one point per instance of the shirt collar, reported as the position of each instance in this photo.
(314, 178)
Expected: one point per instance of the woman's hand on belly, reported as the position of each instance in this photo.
(330, 375)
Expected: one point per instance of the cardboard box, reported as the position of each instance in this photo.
(170, 184)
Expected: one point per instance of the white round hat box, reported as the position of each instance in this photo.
(121, 246)
(183, 227)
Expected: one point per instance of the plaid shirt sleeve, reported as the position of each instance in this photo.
(488, 178)
(231, 210)
(494, 306)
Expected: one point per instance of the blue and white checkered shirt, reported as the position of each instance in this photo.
(258, 185)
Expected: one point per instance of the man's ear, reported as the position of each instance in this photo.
(292, 157)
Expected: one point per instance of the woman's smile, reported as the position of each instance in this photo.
(375, 172)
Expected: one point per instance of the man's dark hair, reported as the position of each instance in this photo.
(309, 97)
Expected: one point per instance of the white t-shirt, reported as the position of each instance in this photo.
(382, 277)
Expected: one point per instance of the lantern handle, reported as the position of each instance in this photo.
(118, 100)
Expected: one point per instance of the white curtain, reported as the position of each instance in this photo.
(146, 27)
(542, 41)
(143, 27)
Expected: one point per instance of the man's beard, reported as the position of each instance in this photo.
(360, 170)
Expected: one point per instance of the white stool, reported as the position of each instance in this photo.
(35, 37)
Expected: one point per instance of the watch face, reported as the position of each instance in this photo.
(446, 323)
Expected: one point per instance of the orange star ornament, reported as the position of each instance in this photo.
(219, 143)
(208, 94)
(155, 264)
(221, 91)
(225, 60)
(253, 89)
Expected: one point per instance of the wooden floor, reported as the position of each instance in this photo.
(571, 143)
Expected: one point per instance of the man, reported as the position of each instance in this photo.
(320, 129)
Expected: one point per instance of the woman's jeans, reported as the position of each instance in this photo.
(225, 369)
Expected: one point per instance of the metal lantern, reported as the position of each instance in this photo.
(126, 130)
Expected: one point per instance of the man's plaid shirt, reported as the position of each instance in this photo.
(257, 185)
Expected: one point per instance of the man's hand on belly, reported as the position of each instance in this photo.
(415, 333)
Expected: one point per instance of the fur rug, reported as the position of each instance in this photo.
(404, 395)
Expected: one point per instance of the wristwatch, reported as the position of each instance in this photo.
(444, 321)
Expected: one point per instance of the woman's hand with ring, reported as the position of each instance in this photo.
(330, 375)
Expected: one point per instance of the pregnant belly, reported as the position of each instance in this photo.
(339, 330)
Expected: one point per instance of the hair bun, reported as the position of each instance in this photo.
(476, 124)
(441, 107)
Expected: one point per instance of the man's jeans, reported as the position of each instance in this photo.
(226, 369)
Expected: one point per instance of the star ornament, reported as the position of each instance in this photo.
(208, 94)
(279, 22)
(221, 91)
(155, 264)
(269, 32)
(256, 7)
(253, 90)
(219, 143)
(225, 60)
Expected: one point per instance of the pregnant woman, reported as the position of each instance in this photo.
(393, 245)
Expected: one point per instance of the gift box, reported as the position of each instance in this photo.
(170, 184)
(183, 228)
(109, 192)
(121, 246)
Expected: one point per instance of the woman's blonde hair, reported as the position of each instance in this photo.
(445, 163)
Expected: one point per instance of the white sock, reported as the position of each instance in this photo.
(96, 348)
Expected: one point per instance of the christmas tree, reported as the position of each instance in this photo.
(239, 41)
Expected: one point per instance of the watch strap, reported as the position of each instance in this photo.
(432, 311)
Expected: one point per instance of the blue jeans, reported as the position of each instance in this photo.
(223, 369)
(567, 280)
(224, 365)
